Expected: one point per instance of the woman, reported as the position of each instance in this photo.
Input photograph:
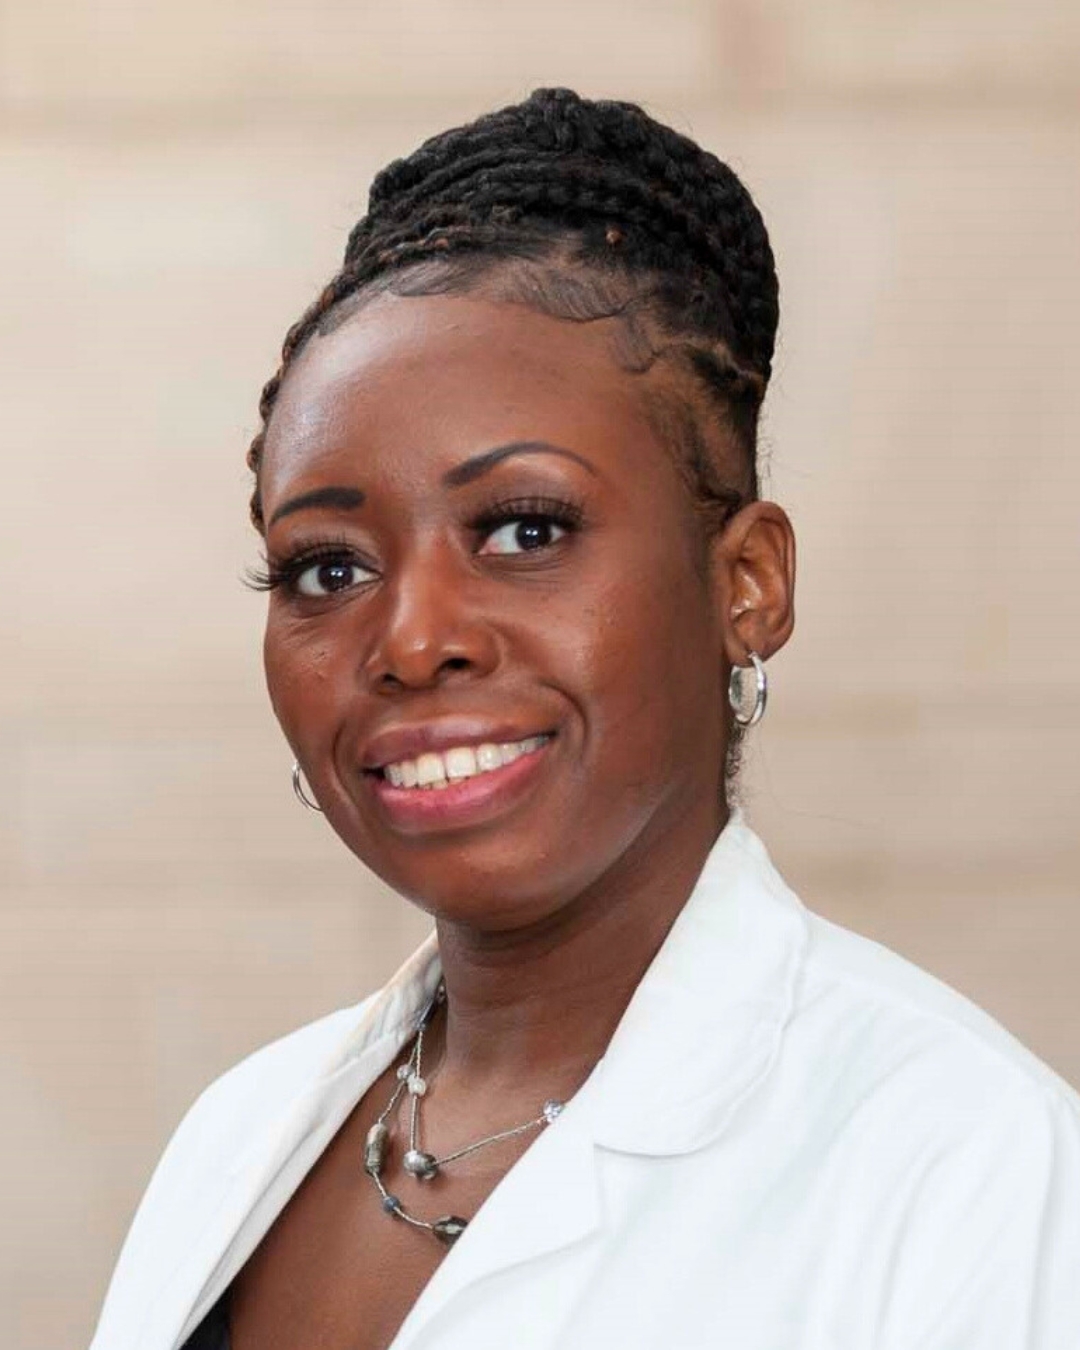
(630, 1093)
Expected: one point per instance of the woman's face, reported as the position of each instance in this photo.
(482, 543)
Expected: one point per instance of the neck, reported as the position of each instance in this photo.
(539, 1005)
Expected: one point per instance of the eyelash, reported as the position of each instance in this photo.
(275, 575)
(566, 514)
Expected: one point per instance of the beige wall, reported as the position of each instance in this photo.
(176, 181)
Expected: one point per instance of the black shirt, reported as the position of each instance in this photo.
(212, 1333)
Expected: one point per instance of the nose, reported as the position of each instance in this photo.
(428, 628)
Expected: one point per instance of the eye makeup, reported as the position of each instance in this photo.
(284, 573)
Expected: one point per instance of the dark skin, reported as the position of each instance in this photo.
(615, 635)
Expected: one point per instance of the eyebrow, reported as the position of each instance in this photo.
(351, 499)
(471, 469)
(344, 498)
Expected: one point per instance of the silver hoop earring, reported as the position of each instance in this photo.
(298, 788)
(737, 696)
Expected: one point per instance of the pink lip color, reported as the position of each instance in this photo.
(469, 801)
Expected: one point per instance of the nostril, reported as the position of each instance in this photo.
(420, 667)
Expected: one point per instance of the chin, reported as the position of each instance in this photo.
(497, 886)
(513, 873)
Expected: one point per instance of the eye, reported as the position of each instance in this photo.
(525, 534)
(315, 572)
(330, 576)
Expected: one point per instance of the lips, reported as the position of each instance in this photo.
(458, 800)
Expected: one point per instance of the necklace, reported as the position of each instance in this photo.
(417, 1163)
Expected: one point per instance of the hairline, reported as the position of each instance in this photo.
(559, 287)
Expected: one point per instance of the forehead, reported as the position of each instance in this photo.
(424, 381)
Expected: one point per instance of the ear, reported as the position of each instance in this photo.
(753, 571)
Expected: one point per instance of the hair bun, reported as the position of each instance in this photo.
(559, 157)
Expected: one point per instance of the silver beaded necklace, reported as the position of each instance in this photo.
(418, 1164)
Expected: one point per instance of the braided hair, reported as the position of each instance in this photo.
(583, 210)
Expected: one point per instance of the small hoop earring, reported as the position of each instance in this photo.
(298, 788)
(737, 691)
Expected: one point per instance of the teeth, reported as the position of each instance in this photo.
(463, 761)
(430, 769)
(460, 762)
(488, 757)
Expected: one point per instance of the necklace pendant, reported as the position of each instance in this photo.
(375, 1145)
(449, 1228)
(551, 1110)
(416, 1085)
(420, 1165)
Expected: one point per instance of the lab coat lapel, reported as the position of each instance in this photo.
(548, 1201)
(705, 1024)
(258, 1192)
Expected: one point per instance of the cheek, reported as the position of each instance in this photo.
(647, 659)
(301, 679)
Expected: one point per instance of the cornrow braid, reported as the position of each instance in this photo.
(595, 189)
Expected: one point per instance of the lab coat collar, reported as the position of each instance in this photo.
(706, 1021)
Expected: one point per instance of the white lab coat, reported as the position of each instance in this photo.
(795, 1141)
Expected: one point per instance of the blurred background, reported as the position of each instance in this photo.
(179, 181)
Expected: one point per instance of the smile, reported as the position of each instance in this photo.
(435, 771)
(460, 787)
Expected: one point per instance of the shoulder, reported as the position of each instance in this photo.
(932, 1098)
(884, 1010)
(960, 1149)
